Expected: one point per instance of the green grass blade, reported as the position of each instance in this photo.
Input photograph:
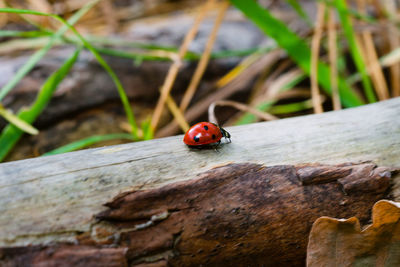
(34, 59)
(100, 42)
(130, 55)
(355, 50)
(115, 41)
(291, 108)
(188, 56)
(83, 143)
(114, 77)
(296, 47)
(352, 12)
(24, 11)
(11, 134)
(13, 119)
(23, 34)
(147, 129)
(24, 70)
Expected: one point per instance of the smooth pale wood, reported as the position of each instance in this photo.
(54, 198)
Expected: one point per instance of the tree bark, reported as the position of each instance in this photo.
(160, 203)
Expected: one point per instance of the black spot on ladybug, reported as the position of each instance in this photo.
(213, 136)
(196, 139)
(205, 127)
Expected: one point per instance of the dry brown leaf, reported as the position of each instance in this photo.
(342, 242)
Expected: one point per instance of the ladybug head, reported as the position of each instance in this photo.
(225, 133)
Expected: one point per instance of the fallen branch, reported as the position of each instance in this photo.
(252, 202)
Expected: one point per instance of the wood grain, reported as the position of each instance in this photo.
(56, 199)
(240, 214)
(236, 215)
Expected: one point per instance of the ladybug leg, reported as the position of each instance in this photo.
(216, 146)
(228, 139)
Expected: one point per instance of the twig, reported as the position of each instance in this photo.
(232, 74)
(276, 85)
(372, 59)
(315, 43)
(394, 42)
(3, 17)
(110, 15)
(275, 75)
(204, 59)
(259, 87)
(173, 70)
(177, 114)
(240, 106)
(333, 59)
(43, 6)
(293, 93)
(236, 85)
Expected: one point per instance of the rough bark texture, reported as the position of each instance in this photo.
(251, 202)
(236, 215)
(63, 255)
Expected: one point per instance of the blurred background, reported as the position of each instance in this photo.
(77, 74)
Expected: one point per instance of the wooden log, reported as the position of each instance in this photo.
(168, 204)
(338, 242)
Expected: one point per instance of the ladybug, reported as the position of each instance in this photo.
(205, 133)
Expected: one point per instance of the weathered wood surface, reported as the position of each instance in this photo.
(61, 198)
(234, 215)
(241, 214)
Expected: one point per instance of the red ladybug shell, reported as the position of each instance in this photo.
(203, 133)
